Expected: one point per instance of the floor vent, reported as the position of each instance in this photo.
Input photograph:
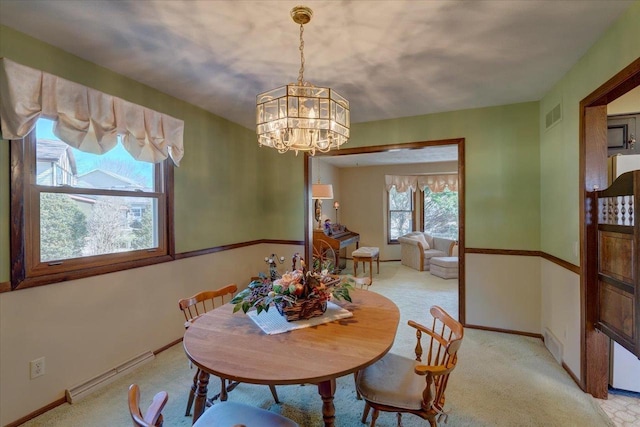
(80, 391)
(553, 345)
(553, 116)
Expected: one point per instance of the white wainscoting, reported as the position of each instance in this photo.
(561, 310)
(85, 327)
(503, 291)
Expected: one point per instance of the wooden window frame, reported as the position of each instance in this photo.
(413, 216)
(26, 269)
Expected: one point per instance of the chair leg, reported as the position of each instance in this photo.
(374, 417)
(223, 390)
(365, 413)
(355, 380)
(274, 393)
(399, 419)
(231, 385)
(192, 394)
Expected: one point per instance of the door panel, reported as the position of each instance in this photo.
(611, 263)
(618, 261)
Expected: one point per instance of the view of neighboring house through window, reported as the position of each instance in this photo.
(92, 204)
(441, 213)
(400, 220)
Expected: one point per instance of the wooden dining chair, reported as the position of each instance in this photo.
(153, 416)
(221, 414)
(196, 306)
(361, 282)
(400, 384)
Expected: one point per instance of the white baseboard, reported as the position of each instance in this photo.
(553, 344)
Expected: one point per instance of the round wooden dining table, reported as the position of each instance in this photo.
(230, 345)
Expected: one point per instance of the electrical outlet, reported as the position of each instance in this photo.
(37, 367)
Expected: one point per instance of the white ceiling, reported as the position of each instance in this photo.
(390, 59)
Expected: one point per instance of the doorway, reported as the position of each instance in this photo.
(593, 173)
(458, 143)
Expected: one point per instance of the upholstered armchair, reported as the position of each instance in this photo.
(417, 249)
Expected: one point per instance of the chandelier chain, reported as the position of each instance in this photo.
(301, 73)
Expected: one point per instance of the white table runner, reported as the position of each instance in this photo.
(272, 322)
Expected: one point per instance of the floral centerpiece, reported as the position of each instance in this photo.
(297, 294)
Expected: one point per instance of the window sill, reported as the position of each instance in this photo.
(30, 282)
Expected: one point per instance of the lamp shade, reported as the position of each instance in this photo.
(322, 191)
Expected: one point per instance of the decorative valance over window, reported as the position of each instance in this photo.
(402, 183)
(438, 183)
(86, 119)
(435, 183)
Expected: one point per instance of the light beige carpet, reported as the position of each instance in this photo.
(501, 379)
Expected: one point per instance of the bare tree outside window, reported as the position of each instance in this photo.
(105, 226)
(441, 213)
(400, 214)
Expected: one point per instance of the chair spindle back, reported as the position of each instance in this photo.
(445, 337)
(152, 416)
(200, 303)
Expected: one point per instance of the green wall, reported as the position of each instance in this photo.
(227, 190)
(559, 146)
(501, 165)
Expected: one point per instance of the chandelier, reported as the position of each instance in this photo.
(301, 116)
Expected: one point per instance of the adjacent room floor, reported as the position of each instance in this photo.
(622, 407)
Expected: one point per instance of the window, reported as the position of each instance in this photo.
(441, 213)
(83, 213)
(401, 215)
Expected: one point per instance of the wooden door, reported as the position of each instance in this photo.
(619, 261)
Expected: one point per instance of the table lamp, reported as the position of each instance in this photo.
(318, 193)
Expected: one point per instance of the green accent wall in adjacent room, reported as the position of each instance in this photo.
(559, 145)
(502, 167)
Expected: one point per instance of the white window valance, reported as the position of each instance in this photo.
(402, 183)
(86, 119)
(435, 183)
(438, 183)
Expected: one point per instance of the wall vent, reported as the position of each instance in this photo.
(553, 344)
(553, 116)
(80, 391)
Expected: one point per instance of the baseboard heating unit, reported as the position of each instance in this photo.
(80, 391)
